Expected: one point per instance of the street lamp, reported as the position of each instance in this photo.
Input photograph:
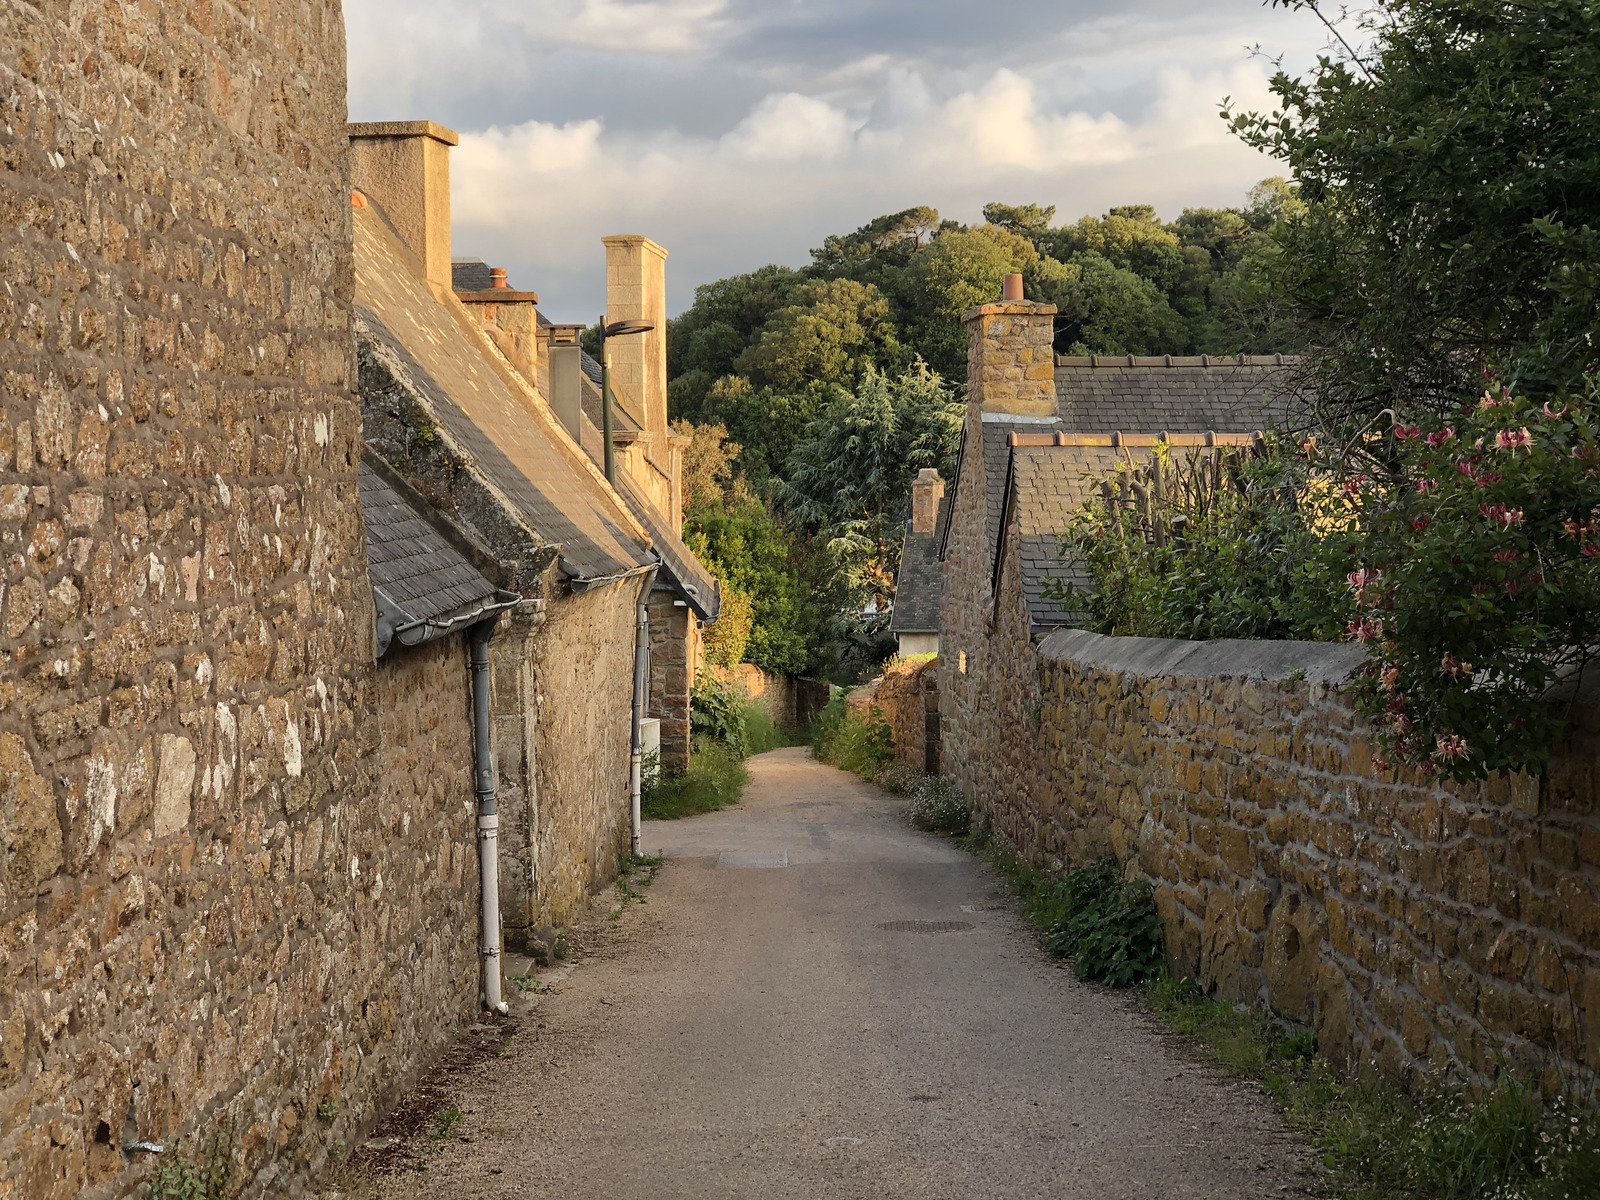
(615, 329)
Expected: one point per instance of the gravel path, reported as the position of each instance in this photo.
(769, 1025)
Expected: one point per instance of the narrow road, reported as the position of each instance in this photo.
(769, 1025)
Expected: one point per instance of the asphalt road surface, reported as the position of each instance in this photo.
(818, 1001)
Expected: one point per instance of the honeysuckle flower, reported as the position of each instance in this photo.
(1504, 555)
(1440, 436)
(1554, 414)
(1488, 401)
(1512, 587)
(1488, 478)
(1450, 748)
(1421, 523)
(1424, 486)
(1452, 667)
(1366, 629)
(1513, 439)
(1574, 528)
(1359, 579)
(1402, 432)
(1500, 514)
(1391, 678)
(1590, 550)
(1465, 467)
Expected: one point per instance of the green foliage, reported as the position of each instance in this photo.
(959, 270)
(831, 332)
(849, 481)
(1479, 583)
(1108, 927)
(1451, 177)
(843, 738)
(1217, 545)
(208, 1175)
(715, 779)
(716, 712)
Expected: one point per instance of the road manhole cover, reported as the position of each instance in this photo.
(925, 926)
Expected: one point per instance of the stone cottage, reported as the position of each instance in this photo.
(915, 618)
(1041, 431)
(648, 456)
(448, 375)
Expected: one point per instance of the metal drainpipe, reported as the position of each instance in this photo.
(488, 818)
(641, 688)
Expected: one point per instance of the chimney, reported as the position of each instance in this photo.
(404, 167)
(497, 277)
(1011, 364)
(566, 378)
(1011, 287)
(636, 289)
(927, 489)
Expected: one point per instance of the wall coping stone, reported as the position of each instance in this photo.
(1322, 662)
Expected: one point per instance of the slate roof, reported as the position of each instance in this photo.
(1099, 394)
(417, 576)
(489, 411)
(1044, 487)
(470, 275)
(682, 569)
(919, 584)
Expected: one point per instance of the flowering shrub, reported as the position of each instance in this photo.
(1478, 583)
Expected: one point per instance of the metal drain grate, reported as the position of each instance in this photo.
(925, 926)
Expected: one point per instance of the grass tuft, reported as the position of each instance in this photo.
(715, 779)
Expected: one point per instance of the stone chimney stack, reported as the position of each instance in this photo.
(1011, 366)
(404, 168)
(636, 290)
(566, 378)
(927, 489)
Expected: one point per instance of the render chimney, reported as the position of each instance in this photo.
(1011, 287)
(636, 290)
(927, 489)
(404, 167)
(566, 378)
(1011, 364)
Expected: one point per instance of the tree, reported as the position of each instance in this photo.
(848, 484)
(890, 239)
(1030, 220)
(960, 270)
(1450, 177)
(1130, 237)
(831, 333)
(1106, 309)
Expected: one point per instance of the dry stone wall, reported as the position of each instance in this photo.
(1418, 928)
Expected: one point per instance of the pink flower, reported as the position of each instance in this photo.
(1360, 578)
(1500, 514)
(1574, 528)
(1402, 432)
(1440, 437)
(1424, 486)
(1512, 587)
(1590, 550)
(1554, 414)
(1391, 678)
(1513, 439)
(1352, 486)
(1366, 629)
(1450, 748)
(1454, 668)
(1487, 478)
(1465, 468)
(1504, 556)
(1421, 523)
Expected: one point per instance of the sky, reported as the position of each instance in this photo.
(742, 132)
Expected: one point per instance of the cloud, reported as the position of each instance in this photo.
(537, 196)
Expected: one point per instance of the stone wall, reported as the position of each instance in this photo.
(674, 651)
(1418, 928)
(908, 699)
(199, 892)
(791, 701)
(581, 684)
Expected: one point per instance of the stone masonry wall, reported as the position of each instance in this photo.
(186, 692)
(1418, 928)
(674, 651)
(908, 700)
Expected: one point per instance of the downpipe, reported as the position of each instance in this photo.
(488, 817)
(641, 690)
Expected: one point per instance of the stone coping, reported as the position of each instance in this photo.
(403, 129)
(1177, 360)
(497, 296)
(1060, 438)
(1235, 658)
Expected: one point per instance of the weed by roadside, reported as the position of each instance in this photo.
(843, 738)
(1373, 1141)
(715, 779)
(938, 807)
(637, 871)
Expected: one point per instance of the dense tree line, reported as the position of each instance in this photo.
(815, 394)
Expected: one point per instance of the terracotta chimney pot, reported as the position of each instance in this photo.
(497, 277)
(1011, 289)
